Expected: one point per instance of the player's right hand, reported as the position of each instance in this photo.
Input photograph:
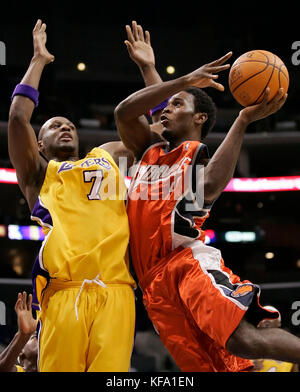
(39, 43)
(139, 45)
(265, 108)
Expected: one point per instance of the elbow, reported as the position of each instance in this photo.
(119, 111)
(122, 111)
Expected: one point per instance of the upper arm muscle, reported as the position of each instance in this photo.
(136, 135)
(24, 153)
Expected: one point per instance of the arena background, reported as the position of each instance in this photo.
(257, 232)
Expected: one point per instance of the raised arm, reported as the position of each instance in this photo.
(130, 117)
(22, 143)
(221, 166)
(141, 52)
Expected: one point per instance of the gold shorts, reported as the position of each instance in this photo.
(100, 340)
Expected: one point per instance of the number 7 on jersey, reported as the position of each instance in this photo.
(96, 177)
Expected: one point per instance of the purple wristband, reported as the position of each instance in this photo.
(26, 91)
(161, 106)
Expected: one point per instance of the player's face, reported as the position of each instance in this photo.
(177, 118)
(59, 134)
(28, 356)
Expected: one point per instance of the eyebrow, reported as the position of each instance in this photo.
(177, 99)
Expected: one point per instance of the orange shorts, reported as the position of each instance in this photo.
(195, 303)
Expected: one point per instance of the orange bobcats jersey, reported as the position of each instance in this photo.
(193, 300)
(162, 195)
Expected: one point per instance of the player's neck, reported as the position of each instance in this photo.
(65, 157)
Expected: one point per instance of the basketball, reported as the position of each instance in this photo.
(253, 72)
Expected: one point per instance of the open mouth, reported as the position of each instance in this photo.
(163, 119)
(65, 136)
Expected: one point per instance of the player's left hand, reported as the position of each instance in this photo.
(26, 322)
(139, 45)
(265, 108)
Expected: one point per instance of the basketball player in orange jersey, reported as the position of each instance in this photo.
(205, 315)
(83, 290)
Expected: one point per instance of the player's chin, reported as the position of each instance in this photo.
(67, 146)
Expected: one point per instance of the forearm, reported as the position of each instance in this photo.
(150, 74)
(8, 357)
(221, 167)
(22, 107)
(139, 103)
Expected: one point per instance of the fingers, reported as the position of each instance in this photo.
(135, 30)
(24, 300)
(29, 302)
(43, 28)
(266, 97)
(208, 72)
(18, 302)
(129, 34)
(278, 101)
(209, 75)
(39, 27)
(136, 33)
(268, 106)
(221, 60)
(279, 97)
(218, 68)
(22, 303)
(217, 86)
(147, 37)
(129, 46)
(141, 33)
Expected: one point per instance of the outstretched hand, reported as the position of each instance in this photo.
(26, 322)
(139, 45)
(39, 42)
(265, 108)
(205, 76)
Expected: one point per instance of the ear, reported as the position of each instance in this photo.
(200, 118)
(40, 145)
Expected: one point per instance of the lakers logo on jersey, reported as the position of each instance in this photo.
(100, 174)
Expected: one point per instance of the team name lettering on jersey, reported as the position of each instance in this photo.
(152, 173)
(165, 181)
(87, 163)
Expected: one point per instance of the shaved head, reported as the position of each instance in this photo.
(58, 139)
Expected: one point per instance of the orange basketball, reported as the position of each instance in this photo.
(253, 72)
